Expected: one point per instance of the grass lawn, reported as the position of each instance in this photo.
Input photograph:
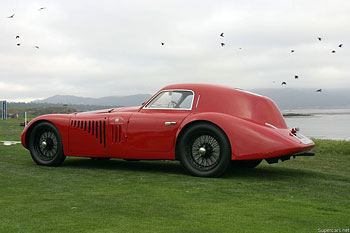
(301, 195)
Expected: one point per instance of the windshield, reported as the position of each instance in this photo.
(172, 100)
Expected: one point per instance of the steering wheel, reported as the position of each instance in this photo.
(172, 104)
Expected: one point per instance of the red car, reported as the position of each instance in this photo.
(206, 127)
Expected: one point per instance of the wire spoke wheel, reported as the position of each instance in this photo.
(205, 152)
(45, 145)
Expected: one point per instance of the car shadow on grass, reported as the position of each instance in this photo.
(269, 172)
(262, 172)
(173, 167)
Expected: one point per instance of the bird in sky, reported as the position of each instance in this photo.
(283, 83)
(222, 34)
(17, 37)
(333, 51)
(319, 90)
(18, 44)
(162, 43)
(292, 51)
(41, 8)
(37, 47)
(222, 44)
(319, 38)
(296, 76)
(341, 45)
(11, 16)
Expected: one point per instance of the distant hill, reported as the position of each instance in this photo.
(285, 98)
(22, 106)
(288, 98)
(131, 100)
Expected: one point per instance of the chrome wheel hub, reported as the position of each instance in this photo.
(43, 144)
(202, 151)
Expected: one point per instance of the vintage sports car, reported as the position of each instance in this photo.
(206, 127)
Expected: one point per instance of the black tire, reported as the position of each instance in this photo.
(245, 163)
(204, 150)
(45, 145)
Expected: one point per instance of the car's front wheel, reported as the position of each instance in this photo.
(204, 150)
(45, 145)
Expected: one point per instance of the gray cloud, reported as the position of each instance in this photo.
(102, 48)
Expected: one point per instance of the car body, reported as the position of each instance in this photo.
(206, 127)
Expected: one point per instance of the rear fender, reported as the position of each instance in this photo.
(248, 140)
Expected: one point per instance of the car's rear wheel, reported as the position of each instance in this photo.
(45, 145)
(246, 163)
(204, 150)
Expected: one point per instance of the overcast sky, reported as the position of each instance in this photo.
(103, 48)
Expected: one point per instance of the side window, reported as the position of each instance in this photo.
(187, 102)
(172, 100)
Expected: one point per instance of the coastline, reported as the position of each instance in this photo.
(332, 124)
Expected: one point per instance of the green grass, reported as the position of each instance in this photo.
(301, 195)
(10, 129)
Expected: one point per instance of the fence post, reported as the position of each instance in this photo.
(4, 110)
(25, 119)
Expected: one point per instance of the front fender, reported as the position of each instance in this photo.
(60, 121)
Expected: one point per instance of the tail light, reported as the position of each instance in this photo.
(294, 130)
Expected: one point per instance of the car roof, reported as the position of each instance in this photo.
(233, 101)
(198, 87)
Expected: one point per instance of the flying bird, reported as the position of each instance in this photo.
(319, 90)
(292, 51)
(11, 16)
(17, 37)
(283, 83)
(296, 76)
(222, 34)
(222, 44)
(37, 47)
(341, 45)
(18, 44)
(333, 51)
(162, 43)
(41, 8)
(319, 38)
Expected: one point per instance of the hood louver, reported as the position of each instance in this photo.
(96, 128)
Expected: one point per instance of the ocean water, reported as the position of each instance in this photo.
(321, 123)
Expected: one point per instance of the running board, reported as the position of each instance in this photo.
(287, 157)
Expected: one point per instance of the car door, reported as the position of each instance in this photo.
(153, 128)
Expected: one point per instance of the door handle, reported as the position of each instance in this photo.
(170, 123)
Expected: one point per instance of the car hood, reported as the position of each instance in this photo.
(109, 110)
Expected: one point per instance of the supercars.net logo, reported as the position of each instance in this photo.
(333, 230)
